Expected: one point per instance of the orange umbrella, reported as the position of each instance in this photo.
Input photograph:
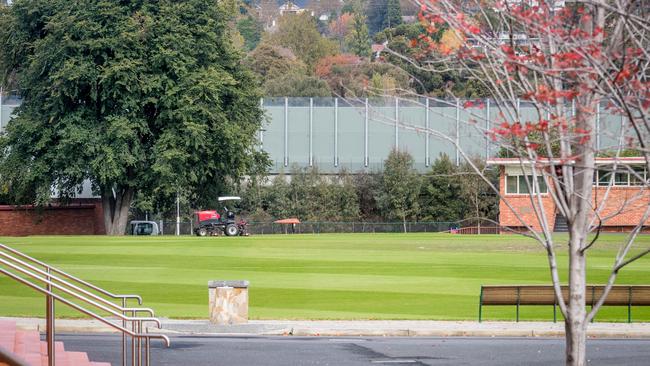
(292, 220)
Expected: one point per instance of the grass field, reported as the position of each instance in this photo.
(337, 276)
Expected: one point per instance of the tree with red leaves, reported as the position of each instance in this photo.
(570, 63)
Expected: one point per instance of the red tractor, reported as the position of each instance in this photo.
(210, 222)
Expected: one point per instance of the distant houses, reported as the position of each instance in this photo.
(290, 8)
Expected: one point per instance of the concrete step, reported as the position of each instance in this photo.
(8, 335)
(27, 345)
(78, 358)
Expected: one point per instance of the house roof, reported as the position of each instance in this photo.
(599, 161)
(378, 47)
(289, 6)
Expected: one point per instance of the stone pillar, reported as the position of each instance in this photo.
(228, 302)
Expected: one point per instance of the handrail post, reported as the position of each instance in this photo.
(139, 346)
(480, 305)
(147, 353)
(133, 328)
(123, 334)
(49, 322)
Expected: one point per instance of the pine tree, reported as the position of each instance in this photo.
(393, 16)
(400, 188)
(376, 10)
(441, 191)
(358, 41)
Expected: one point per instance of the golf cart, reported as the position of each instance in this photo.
(140, 227)
(210, 222)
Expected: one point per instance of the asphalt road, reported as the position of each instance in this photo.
(366, 351)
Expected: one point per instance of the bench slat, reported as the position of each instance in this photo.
(619, 295)
(641, 295)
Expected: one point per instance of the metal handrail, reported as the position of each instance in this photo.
(84, 310)
(80, 297)
(71, 277)
(87, 293)
(52, 282)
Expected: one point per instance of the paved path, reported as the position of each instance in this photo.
(360, 328)
(364, 351)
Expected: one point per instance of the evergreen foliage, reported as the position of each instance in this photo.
(429, 79)
(400, 188)
(376, 10)
(393, 16)
(311, 196)
(296, 85)
(251, 30)
(441, 195)
(445, 194)
(479, 199)
(358, 41)
(281, 74)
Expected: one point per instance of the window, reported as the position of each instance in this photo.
(638, 177)
(524, 181)
(511, 184)
(518, 184)
(542, 185)
(623, 177)
(604, 177)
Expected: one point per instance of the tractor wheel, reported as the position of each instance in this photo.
(202, 232)
(231, 230)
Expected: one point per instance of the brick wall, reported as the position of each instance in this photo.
(81, 217)
(523, 208)
(625, 204)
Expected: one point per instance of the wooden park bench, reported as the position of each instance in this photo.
(619, 295)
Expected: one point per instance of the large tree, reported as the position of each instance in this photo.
(358, 41)
(393, 16)
(349, 76)
(141, 98)
(376, 10)
(441, 191)
(400, 187)
(299, 33)
(281, 74)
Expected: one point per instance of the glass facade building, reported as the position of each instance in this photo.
(358, 134)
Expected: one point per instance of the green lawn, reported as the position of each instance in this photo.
(334, 276)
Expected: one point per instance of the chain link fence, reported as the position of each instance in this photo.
(259, 228)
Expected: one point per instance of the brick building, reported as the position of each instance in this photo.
(80, 217)
(625, 203)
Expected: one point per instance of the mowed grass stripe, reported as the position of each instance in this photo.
(334, 276)
(526, 268)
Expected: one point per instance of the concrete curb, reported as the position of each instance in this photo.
(368, 328)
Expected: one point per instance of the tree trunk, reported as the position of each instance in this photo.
(404, 223)
(575, 324)
(116, 204)
(581, 210)
(478, 211)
